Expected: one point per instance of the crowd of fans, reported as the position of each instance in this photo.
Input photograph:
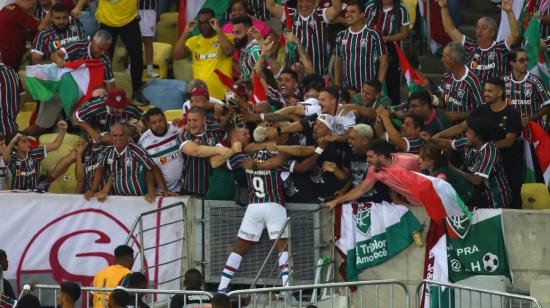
(270, 118)
(326, 121)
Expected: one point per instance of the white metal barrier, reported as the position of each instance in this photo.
(203, 296)
(439, 294)
(290, 298)
(139, 229)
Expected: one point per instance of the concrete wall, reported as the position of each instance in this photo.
(527, 234)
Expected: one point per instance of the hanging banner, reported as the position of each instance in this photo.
(50, 238)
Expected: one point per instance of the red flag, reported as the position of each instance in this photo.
(541, 142)
(530, 10)
(287, 26)
(410, 74)
(226, 80)
(181, 16)
(258, 93)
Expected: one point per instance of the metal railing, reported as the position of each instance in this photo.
(455, 295)
(203, 297)
(290, 298)
(288, 226)
(139, 228)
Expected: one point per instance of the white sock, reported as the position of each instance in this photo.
(229, 270)
(150, 67)
(283, 266)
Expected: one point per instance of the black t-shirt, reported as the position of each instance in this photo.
(359, 168)
(501, 123)
(191, 301)
(314, 184)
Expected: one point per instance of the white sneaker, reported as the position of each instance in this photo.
(152, 74)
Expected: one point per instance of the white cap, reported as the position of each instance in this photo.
(309, 102)
(327, 119)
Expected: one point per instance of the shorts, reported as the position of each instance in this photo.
(258, 216)
(48, 112)
(147, 22)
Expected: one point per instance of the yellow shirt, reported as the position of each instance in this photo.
(109, 277)
(208, 56)
(116, 13)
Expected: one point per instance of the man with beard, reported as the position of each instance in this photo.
(359, 138)
(250, 48)
(381, 156)
(64, 29)
(211, 50)
(159, 141)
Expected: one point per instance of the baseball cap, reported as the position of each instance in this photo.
(117, 98)
(309, 102)
(200, 91)
(327, 120)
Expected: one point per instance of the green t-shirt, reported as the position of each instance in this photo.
(221, 185)
(381, 101)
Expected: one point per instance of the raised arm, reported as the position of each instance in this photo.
(192, 149)
(515, 32)
(6, 155)
(394, 137)
(275, 9)
(448, 24)
(225, 44)
(62, 125)
(180, 50)
(334, 10)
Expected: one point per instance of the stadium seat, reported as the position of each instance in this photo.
(167, 28)
(162, 53)
(23, 119)
(535, 196)
(29, 106)
(123, 80)
(183, 69)
(70, 139)
(65, 184)
(173, 114)
(47, 165)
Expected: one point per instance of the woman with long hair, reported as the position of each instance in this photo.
(391, 19)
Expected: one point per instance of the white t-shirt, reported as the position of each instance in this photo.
(166, 154)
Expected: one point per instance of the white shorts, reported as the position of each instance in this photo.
(48, 112)
(147, 22)
(258, 216)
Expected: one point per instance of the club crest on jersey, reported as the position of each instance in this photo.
(363, 42)
(163, 160)
(492, 55)
(528, 89)
(128, 161)
(216, 44)
(459, 92)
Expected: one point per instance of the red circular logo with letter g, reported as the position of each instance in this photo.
(73, 247)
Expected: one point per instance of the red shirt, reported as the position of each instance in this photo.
(15, 27)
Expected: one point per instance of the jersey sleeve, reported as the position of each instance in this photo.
(338, 46)
(87, 111)
(38, 153)
(38, 44)
(502, 46)
(181, 139)
(134, 112)
(542, 94)
(144, 158)
(405, 19)
(108, 69)
(476, 96)
(236, 161)
(469, 44)
(486, 160)
(459, 144)
(413, 145)
(379, 43)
